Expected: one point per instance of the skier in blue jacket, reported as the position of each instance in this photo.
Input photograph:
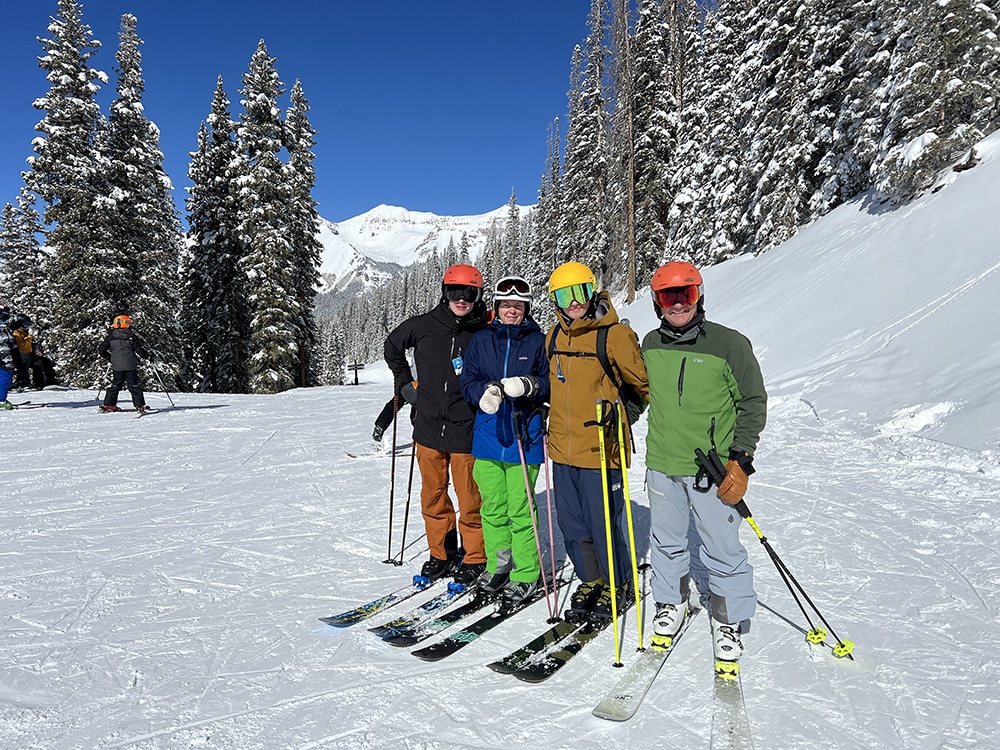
(507, 375)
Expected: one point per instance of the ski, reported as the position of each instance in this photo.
(364, 611)
(730, 726)
(431, 626)
(379, 452)
(624, 699)
(539, 670)
(465, 636)
(409, 620)
(514, 660)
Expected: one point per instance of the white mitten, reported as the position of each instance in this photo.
(491, 399)
(522, 386)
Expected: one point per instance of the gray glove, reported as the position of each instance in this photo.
(491, 399)
(526, 386)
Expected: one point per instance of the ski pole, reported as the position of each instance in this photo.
(406, 512)
(529, 493)
(156, 372)
(619, 418)
(607, 529)
(548, 503)
(101, 387)
(392, 477)
(717, 472)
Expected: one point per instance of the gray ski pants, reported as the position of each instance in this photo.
(730, 577)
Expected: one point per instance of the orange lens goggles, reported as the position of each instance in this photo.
(682, 295)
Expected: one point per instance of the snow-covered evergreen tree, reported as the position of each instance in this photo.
(214, 291)
(67, 173)
(333, 370)
(25, 285)
(303, 228)
(142, 235)
(269, 260)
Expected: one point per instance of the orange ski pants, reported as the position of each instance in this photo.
(438, 509)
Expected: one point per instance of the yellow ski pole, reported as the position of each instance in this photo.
(607, 528)
(619, 416)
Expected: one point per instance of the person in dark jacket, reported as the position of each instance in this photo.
(507, 375)
(122, 348)
(443, 427)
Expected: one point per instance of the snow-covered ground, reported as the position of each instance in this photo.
(161, 578)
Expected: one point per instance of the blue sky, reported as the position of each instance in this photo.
(440, 106)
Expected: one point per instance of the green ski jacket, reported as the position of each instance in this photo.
(705, 389)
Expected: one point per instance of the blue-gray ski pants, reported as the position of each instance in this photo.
(730, 576)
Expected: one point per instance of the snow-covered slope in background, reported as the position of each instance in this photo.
(884, 318)
(378, 242)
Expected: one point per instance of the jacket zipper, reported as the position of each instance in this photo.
(680, 381)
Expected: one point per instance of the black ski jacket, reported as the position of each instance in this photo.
(444, 421)
(121, 347)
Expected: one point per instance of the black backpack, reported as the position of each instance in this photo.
(631, 400)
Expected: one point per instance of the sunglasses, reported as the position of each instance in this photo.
(518, 286)
(684, 295)
(565, 296)
(462, 293)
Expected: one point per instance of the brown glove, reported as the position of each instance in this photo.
(734, 486)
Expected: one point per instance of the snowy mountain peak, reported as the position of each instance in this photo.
(380, 241)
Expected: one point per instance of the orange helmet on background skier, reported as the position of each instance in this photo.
(122, 321)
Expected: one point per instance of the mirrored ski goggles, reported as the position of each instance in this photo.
(515, 286)
(684, 295)
(565, 296)
(463, 293)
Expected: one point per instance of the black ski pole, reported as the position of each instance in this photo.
(406, 511)
(712, 464)
(392, 477)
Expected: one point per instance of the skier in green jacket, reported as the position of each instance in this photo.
(706, 391)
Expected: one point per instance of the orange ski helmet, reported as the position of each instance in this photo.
(122, 321)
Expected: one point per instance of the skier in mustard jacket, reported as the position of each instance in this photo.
(705, 391)
(578, 381)
(507, 376)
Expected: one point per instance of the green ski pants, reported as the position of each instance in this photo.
(507, 528)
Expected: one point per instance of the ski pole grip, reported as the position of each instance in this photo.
(714, 469)
(744, 511)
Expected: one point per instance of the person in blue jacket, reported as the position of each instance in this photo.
(507, 375)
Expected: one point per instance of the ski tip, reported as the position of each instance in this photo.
(727, 670)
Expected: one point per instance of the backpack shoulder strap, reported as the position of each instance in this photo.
(602, 355)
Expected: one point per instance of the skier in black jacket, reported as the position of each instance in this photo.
(122, 348)
(445, 421)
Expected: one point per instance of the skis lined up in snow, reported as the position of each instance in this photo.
(421, 613)
(460, 639)
(435, 624)
(624, 699)
(514, 660)
(730, 725)
(541, 667)
(364, 611)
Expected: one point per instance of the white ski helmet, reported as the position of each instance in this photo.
(512, 288)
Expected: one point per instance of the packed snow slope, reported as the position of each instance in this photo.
(161, 578)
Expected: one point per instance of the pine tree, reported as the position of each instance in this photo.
(143, 234)
(584, 229)
(269, 262)
(215, 288)
(303, 227)
(334, 367)
(67, 173)
(944, 94)
(26, 287)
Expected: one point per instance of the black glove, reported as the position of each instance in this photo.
(409, 393)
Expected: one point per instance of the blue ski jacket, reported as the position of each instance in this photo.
(503, 351)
